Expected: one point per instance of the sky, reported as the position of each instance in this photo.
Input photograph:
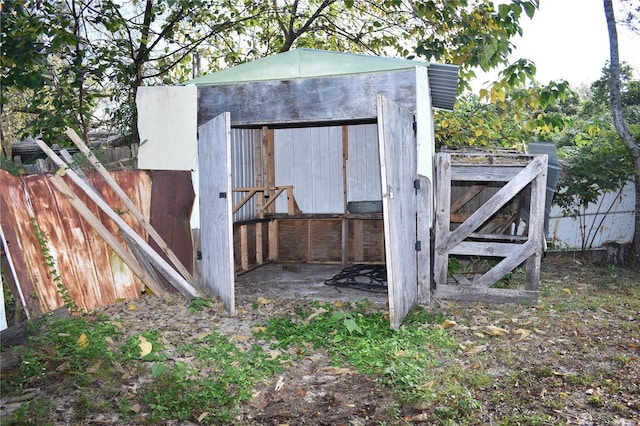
(568, 40)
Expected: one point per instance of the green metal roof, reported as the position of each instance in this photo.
(307, 63)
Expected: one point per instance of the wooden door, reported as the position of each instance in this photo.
(397, 145)
(216, 220)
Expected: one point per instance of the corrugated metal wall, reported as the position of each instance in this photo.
(363, 164)
(91, 272)
(246, 146)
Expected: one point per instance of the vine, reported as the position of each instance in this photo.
(42, 237)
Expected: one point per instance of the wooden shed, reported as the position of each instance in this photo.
(306, 156)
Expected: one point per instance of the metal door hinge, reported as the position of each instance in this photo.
(418, 245)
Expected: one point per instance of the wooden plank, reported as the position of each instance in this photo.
(536, 225)
(335, 99)
(358, 239)
(244, 248)
(499, 199)
(398, 167)
(475, 294)
(147, 277)
(272, 229)
(345, 240)
(325, 240)
(484, 173)
(269, 168)
(466, 197)
(293, 240)
(345, 158)
(476, 248)
(216, 219)
(443, 217)
(171, 275)
(424, 204)
(259, 244)
(133, 209)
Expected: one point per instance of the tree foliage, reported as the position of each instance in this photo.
(92, 55)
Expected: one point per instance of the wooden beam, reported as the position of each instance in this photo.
(171, 275)
(259, 243)
(466, 197)
(244, 248)
(133, 209)
(443, 217)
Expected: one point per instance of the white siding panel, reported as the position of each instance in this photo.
(363, 164)
(566, 233)
(167, 122)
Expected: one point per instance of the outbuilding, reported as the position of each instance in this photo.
(306, 156)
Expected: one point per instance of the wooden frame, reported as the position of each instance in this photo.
(272, 193)
(519, 172)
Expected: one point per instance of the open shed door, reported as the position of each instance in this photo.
(216, 220)
(397, 144)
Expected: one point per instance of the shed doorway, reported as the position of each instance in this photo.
(259, 209)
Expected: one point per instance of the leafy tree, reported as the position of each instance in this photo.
(631, 142)
(98, 52)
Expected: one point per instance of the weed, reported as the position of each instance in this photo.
(402, 359)
(211, 392)
(32, 413)
(50, 261)
(200, 303)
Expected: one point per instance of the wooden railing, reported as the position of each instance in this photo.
(272, 194)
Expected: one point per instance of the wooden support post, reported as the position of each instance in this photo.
(443, 217)
(269, 166)
(345, 240)
(423, 234)
(358, 240)
(133, 209)
(259, 243)
(244, 248)
(273, 240)
(345, 158)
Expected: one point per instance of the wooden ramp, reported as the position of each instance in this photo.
(473, 237)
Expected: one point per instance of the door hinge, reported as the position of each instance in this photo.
(222, 195)
(416, 184)
(415, 126)
(418, 245)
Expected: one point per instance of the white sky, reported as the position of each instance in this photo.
(568, 40)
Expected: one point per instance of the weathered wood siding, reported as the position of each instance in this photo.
(363, 164)
(309, 100)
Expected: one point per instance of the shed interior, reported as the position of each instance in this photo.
(307, 194)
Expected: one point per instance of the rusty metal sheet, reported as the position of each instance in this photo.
(91, 272)
(172, 199)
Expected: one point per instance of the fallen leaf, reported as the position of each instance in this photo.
(202, 416)
(262, 301)
(202, 335)
(136, 408)
(279, 383)
(95, 367)
(145, 346)
(475, 349)
(524, 333)
(83, 341)
(240, 338)
(63, 367)
(492, 330)
(448, 324)
(132, 307)
(317, 312)
(423, 417)
(567, 290)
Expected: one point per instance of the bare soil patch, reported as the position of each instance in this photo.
(572, 359)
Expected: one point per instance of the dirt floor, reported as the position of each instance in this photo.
(533, 361)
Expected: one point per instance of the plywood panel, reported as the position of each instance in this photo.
(293, 240)
(325, 240)
(167, 122)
